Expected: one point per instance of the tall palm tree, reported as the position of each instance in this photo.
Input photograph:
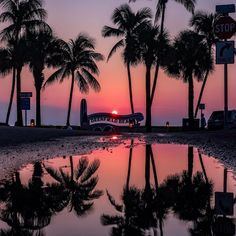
(78, 61)
(128, 24)
(190, 59)
(6, 67)
(43, 49)
(203, 23)
(160, 12)
(21, 15)
(150, 44)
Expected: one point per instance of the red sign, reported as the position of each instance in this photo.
(225, 27)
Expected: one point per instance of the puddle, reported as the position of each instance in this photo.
(130, 189)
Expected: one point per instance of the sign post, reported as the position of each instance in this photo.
(225, 28)
(25, 103)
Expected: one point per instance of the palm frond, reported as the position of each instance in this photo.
(95, 194)
(55, 76)
(111, 220)
(115, 47)
(82, 83)
(91, 80)
(82, 166)
(54, 174)
(7, 16)
(188, 4)
(117, 206)
(90, 170)
(108, 31)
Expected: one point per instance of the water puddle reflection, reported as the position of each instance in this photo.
(131, 189)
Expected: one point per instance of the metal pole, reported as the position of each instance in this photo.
(25, 117)
(225, 95)
(225, 180)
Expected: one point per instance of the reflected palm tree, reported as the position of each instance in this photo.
(142, 210)
(79, 184)
(27, 209)
(192, 197)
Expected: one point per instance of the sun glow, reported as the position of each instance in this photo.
(114, 112)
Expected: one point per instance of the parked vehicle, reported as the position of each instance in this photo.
(216, 120)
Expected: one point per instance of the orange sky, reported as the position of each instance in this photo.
(70, 17)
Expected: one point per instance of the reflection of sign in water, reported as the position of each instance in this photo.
(224, 203)
(225, 52)
(223, 226)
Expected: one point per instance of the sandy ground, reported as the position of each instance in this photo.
(20, 146)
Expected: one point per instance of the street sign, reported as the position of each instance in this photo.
(202, 106)
(225, 9)
(225, 52)
(224, 203)
(26, 94)
(225, 27)
(25, 103)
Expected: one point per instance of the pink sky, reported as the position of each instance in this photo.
(70, 17)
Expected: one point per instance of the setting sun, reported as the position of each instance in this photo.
(114, 112)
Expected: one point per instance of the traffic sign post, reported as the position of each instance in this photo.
(225, 28)
(25, 103)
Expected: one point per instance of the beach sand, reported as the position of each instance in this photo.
(20, 146)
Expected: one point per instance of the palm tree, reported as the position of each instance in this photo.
(78, 61)
(6, 67)
(203, 23)
(128, 24)
(150, 44)
(80, 184)
(190, 58)
(160, 11)
(43, 49)
(20, 15)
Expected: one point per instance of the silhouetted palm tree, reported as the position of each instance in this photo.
(27, 209)
(193, 193)
(190, 58)
(78, 61)
(20, 15)
(128, 24)
(160, 11)
(6, 67)
(141, 210)
(203, 23)
(43, 49)
(150, 44)
(80, 184)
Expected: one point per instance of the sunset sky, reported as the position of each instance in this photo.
(70, 17)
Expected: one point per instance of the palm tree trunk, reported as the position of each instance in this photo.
(201, 93)
(12, 95)
(203, 167)
(70, 99)
(130, 88)
(148, 100)
(18, 98)
(190, 162)
(38, 106)
(159, 52)
(129, 165)
(71, 169)
(147, 170)
(154, 169)
(190, 99)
